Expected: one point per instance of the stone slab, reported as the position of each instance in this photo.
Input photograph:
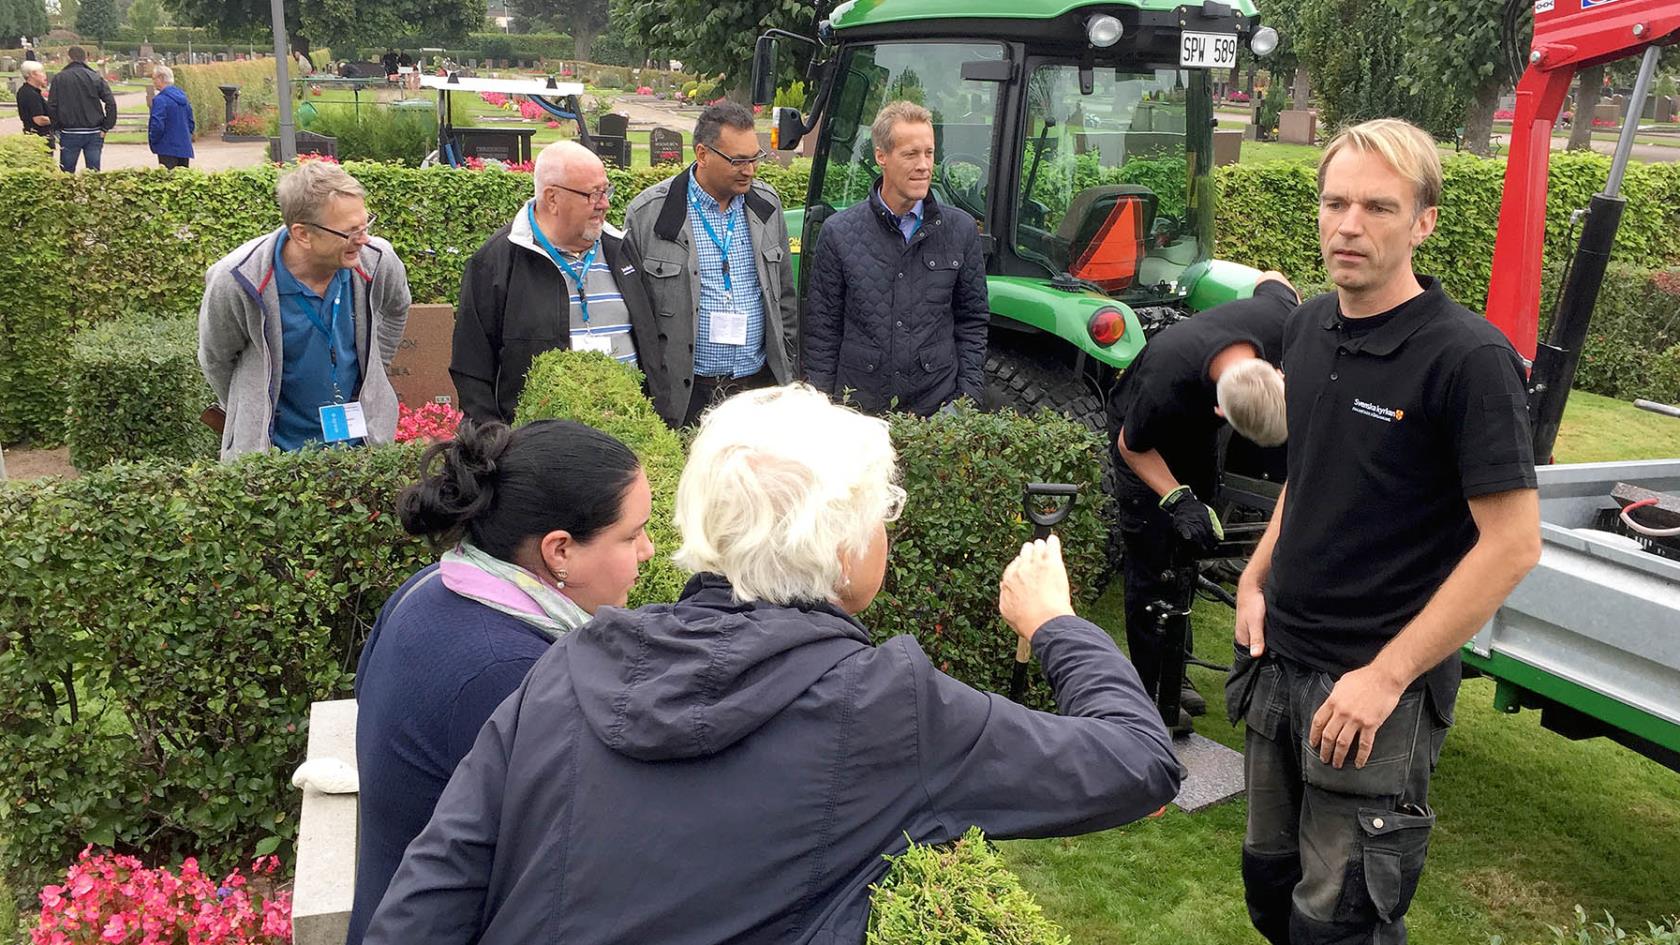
(1215, 773)
(1227, 146)
(325, 887)
(420, 371)
(1298, 126)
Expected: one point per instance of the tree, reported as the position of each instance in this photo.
(68, 10)
(1356, 58)
(716, 38)
(1586, 103)
(1471, 48)
(143, 17)
(98, 18)
(584, 19)
(336, 22)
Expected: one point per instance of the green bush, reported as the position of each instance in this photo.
(592, 388)
(1633, 347)
(960, 894)
(1585, 932)
(136, 393)
(165, 629)
(25, 152)
(255, 79)
(377, 133)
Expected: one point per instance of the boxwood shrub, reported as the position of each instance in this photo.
(960, 894)
(136, 393)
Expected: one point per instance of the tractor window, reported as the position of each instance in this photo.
(929, 74)
(1104, 178)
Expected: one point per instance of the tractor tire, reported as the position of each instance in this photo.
(1025, 383)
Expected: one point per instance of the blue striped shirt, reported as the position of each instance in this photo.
(744, 295)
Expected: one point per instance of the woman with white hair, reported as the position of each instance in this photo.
(171, 128)
(733, 767)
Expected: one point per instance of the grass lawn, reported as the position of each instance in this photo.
(1255, 152)
(1530, 823)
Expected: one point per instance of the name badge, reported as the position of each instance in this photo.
(601, 343)
(340, 422)
(729, 328)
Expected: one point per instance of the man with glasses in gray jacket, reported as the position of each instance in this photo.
(713, 249)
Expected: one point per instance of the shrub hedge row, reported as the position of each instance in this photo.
(164, 627)
(956, 895)
(101, 246)
(136, 393)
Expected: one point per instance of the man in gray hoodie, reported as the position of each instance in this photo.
(298, 326)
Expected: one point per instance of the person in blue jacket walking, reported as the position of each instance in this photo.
(170, 132)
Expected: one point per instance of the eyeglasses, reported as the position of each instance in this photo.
(758, 158)
(593, 196)
(365, 229)
(895, 503)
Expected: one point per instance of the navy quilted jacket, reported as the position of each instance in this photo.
(888, 320)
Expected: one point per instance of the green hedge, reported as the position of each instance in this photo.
(136, 393)
(202, 83)
(956, 895)
(87, 237)
(1633, 349)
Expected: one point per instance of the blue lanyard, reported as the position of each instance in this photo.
(566, 267)
(721, 244)
(330, 330)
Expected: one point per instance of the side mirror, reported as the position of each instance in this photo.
(789, 128)
(764, 71)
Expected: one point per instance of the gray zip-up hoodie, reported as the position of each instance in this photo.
(711, 771)
(240, 349)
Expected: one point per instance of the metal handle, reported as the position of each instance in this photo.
(1667, 410)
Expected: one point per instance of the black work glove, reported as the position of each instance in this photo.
(1196, 524)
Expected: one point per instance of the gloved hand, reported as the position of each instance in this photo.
(1196, 524)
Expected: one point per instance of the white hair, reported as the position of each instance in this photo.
(30, 67)
(780, 485)
(165, 73)
(553, 160)
(1250, 395)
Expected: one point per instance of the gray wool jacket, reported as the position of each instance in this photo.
(656, 232)
(240, 349)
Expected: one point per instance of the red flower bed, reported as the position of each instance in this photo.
(431, 423)
(113, 898)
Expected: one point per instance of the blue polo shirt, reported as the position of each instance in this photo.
(313, 329)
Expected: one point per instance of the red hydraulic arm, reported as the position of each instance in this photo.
(1569, 35)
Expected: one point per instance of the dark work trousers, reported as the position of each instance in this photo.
(173, 162)
(1331, 855)
(1152, 573)
(713, 390)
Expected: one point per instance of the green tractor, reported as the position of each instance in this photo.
(1078, 135)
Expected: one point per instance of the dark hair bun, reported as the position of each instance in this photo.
(447, 499)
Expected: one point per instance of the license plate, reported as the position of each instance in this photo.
(1207, 50)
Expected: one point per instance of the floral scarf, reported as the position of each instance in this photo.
(509, 588)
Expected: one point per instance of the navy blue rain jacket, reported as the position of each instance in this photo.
(708, 772)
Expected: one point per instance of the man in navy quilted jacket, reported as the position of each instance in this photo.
(895, 310)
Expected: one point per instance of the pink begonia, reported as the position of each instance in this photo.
(110, 898)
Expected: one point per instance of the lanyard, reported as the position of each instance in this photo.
(578, 274)
(329, 331)
(721, 244)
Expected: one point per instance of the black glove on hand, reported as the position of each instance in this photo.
(1195, 523)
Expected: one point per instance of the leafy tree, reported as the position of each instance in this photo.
(98, 18)
(584, 19)
(1357, 59)
(716, 38)
(20, 18)
(67, 13)
(1590, 86)
(144, 16)
(336, 22)
(1470, 48)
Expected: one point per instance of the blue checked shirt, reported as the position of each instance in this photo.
(719, 360)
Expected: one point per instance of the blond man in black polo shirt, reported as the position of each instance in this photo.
(1410, 513)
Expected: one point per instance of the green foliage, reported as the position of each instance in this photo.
(961, 894)
(25, 152)
(1358, 61)
(1585, 932)
(497, 47)
(592, 388)
(346, 23)
(717, 38)
(791, 95)
(165, 629)
(98, 18)
(20, 18)
(584, 19)
(962, 524)
(143, 17)
(378, 134)
(203, 87)
(136, 392)
(1633, 348)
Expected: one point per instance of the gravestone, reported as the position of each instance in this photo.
(325, 887)
(1298, 126)
(665, 146)
(613, 150)
(420, 371)
(1227, 146)
(784, 158)
(614, 125)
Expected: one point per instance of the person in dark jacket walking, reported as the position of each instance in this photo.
(171, 128)
(547, 524)
(733, 767)
(32, 104)
(896, 309)
(83, 110)
(520, 293)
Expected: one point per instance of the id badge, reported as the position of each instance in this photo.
(601, 343)
(729, 328)
(340, 422)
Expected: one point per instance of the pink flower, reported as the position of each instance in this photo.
(115, 929)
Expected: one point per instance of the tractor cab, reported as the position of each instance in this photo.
(1077, 135)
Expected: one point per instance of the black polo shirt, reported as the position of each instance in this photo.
(1395, 422)
(1165, 401)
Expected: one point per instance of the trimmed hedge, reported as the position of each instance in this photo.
(124, 244)
(136, 393)
(956, 895)
(1633, 349)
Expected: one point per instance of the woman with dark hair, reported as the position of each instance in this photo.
(545, 525)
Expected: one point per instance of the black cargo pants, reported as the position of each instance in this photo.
(1331, 855)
